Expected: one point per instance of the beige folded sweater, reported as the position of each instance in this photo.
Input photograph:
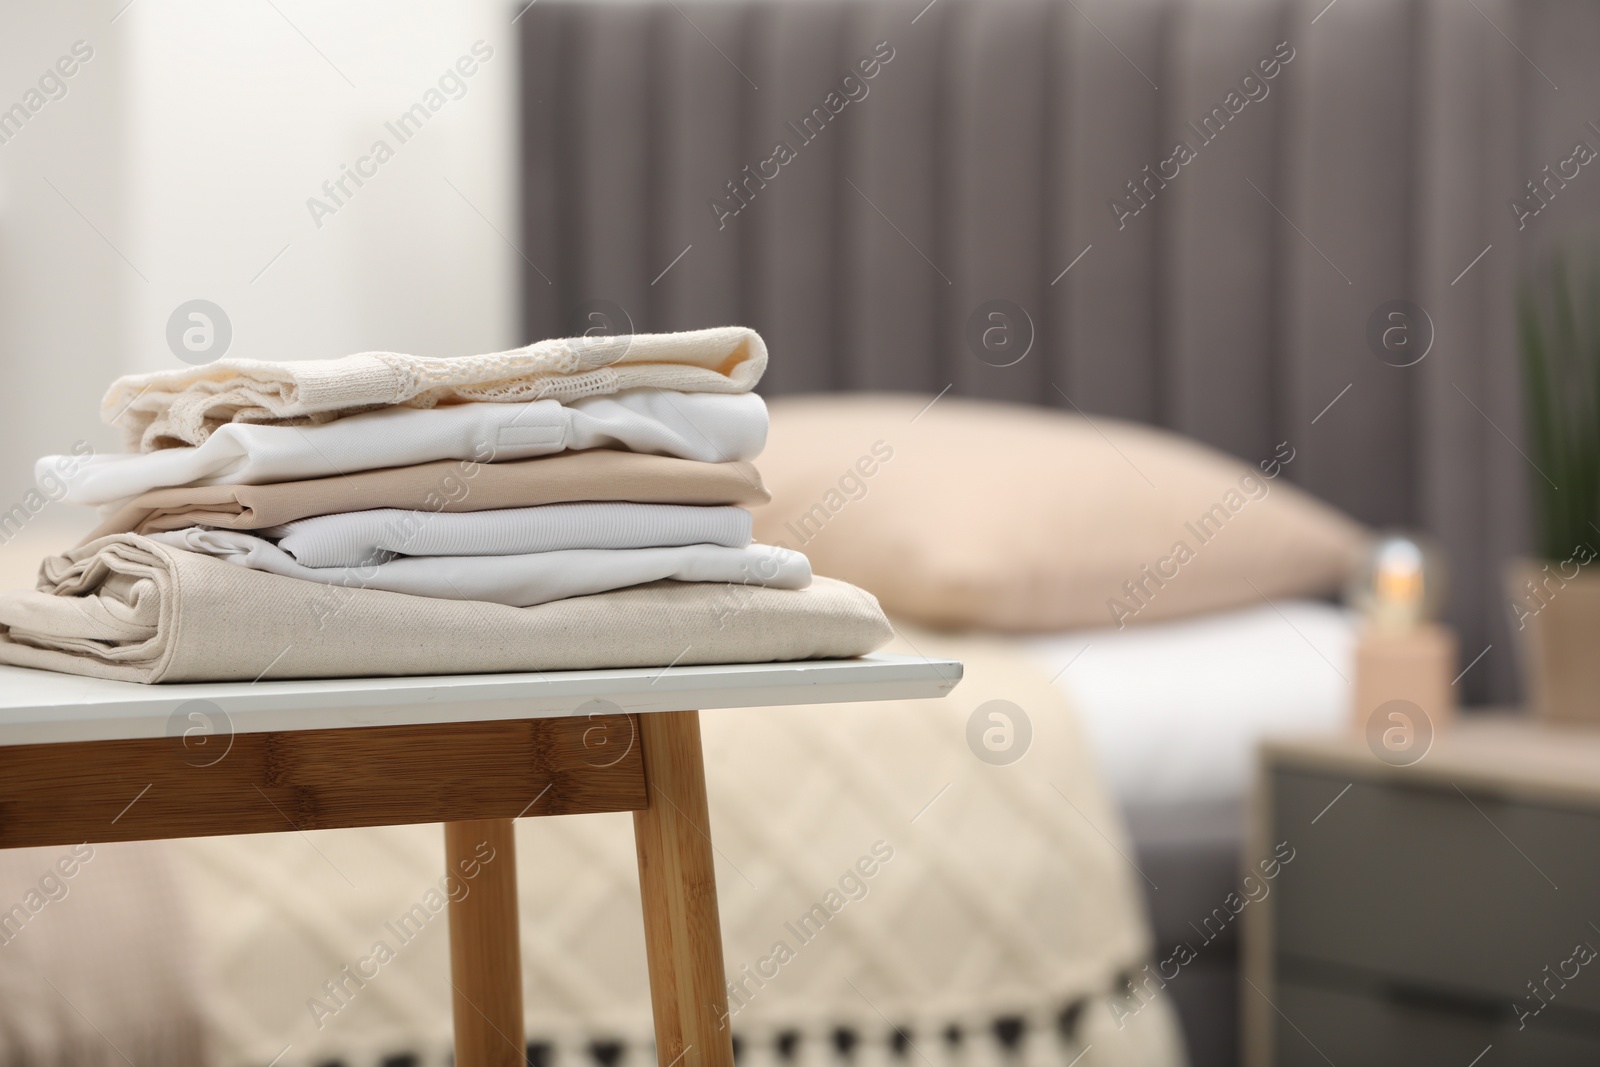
(128, 608)
(168, 409)
(448, 485)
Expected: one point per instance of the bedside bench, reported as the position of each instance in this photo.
(1425, 903)
(87, 760)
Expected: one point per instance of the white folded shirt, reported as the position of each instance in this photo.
(711, 427)
(520, 581)
(356, 538)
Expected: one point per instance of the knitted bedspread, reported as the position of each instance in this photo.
(887, 896)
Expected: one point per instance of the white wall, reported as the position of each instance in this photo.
(192, 141)
(62, 284)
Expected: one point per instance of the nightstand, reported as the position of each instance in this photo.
(1445, 912)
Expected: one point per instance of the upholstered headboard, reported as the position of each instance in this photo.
(1228, 293)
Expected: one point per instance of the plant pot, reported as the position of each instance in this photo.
(1557, 622)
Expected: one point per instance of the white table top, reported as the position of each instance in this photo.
(42, 707)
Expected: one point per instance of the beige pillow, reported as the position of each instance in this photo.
(996, 516)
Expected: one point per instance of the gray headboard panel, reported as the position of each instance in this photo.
(982, 162)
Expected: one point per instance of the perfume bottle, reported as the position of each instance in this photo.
(1403, 653)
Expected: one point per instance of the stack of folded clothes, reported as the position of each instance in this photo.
(573, 504)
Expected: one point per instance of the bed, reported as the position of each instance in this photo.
(977, 170)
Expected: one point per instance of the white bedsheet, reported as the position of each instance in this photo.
(356, 538)
(711, 427)
(521, 581)
(1174, 710)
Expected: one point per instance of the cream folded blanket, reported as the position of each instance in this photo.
(360, 538)
(446, 485)
(520, 581)
(129, 608)
(700, 426)
(173, 408)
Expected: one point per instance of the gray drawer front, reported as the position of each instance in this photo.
(1360, 1031)
(1416, 886)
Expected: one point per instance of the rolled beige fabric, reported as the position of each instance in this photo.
(129, 608)
(448, 485)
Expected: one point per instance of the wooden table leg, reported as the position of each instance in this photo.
(485, 944)
(683, 938)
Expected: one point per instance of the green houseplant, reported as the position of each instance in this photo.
(1555, 598)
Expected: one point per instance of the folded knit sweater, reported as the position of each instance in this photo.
(169, 409)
